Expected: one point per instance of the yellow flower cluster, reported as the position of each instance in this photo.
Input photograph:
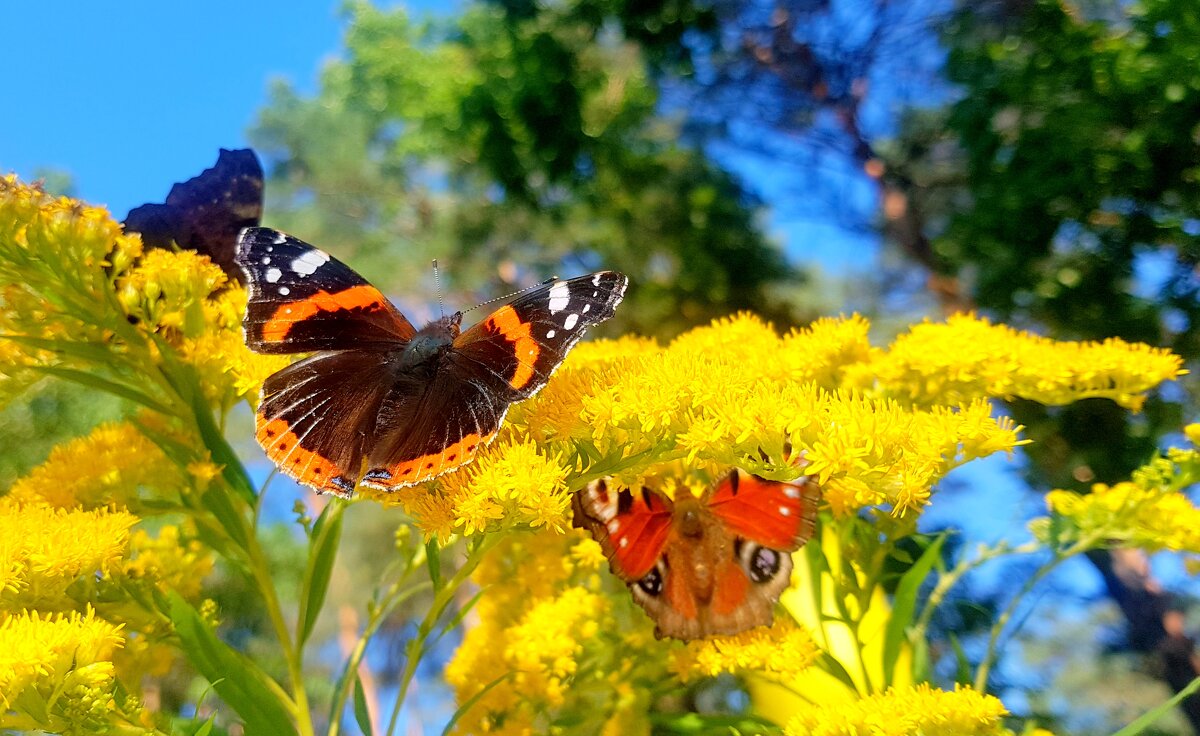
(916, 711)
(1149, 512)
(783, 650)
(731, 394)
(968, 357)
(62, 663)
(43, 549)
(105, 467)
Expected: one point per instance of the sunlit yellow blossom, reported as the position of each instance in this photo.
(783, 650)
(169, 561)
(968, 357)
(168, 289)
(108, 466)
(915, 711)
(542, 649)
(43, 650)
(229, 371)
(1125, 514)
(44, 549)
(515, 480)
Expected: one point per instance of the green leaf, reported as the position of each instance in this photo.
(322, 551)
(831, 665)
(962, 671)
(462, 709)
(1149, 717)
(257, 699)
(206, 727)
(103, 384)
(361, 714)
(904, 605)
(433, 561)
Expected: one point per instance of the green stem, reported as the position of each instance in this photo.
(985, 666)
(441, 600)
(395, 597)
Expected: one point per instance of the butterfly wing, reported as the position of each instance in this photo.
(317, 417)
(304, 300)
(516, 348)
(206, 213)
(632, 528)
(430, 427)
(777, 515)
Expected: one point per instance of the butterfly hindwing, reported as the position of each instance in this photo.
(516, 348)
(304, 300)
(426, 429)
(316, 417)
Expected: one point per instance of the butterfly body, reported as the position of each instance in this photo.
(381, 402)
(702, 566)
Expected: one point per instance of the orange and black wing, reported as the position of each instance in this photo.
(516, 348)
(428, 427)
(317, 418)
(303, 300)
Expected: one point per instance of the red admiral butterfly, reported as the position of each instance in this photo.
(206, 213)
(713, 565)
(409, 404)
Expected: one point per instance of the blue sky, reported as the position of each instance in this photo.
(129, 97)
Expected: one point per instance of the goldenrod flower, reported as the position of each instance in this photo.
(783, 650)
(43, 549)
(108, 466)
(916, 711)
(51, 651)
(968, 357)
(1128, 515)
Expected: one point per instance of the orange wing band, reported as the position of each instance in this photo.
(505, 322)
(307, 467)
(362, 296)
(417, 470)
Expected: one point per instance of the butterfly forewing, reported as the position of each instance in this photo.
(516, 348)
(775, 514)
(631, 527)
(304, 300)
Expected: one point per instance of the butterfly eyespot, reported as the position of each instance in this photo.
(428, 466)
(283, 445)
(451, 458)
(652, 584)
(762, 564)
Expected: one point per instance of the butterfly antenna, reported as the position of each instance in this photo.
(550, 280)
(437, 282)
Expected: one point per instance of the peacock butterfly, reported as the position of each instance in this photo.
(703, 566)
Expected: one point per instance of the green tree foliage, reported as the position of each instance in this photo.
(1081, 160)
(540, 153)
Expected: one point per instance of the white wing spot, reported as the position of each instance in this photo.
(310, 261)
(614, 525)
(280, 238)
(596, 280)
(550, 334)
(785, 511)
(284, 291)
(586, 307)
(791, 491)
(595, 293)
(624, 543)
(273, 275)
(270, 249)
(571, 320)
(266, 260)
(287, 310)
(560, 296)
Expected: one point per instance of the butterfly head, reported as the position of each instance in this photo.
(430, 341)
